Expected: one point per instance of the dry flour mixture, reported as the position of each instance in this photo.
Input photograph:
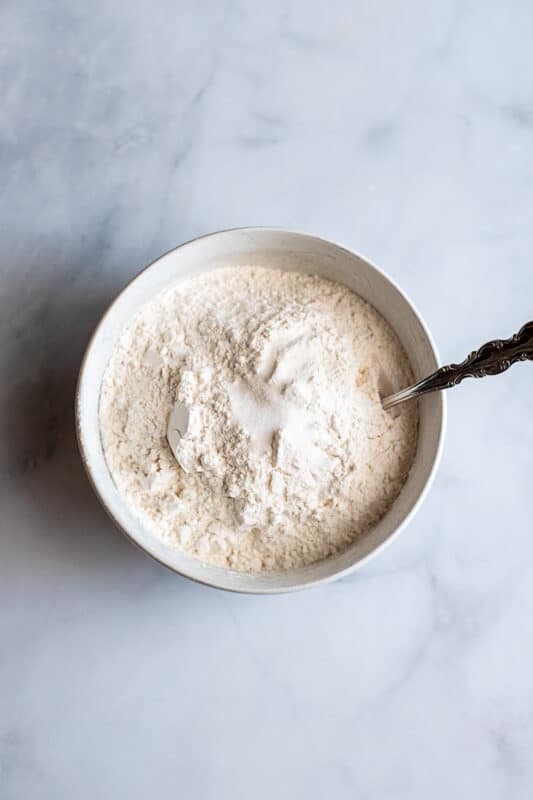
(241, 418)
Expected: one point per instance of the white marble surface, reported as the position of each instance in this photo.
(404, 130)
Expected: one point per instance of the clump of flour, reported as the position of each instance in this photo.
(267, 385)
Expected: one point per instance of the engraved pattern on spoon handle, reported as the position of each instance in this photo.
(490, 359)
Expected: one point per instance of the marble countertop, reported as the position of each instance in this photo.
(404, 131)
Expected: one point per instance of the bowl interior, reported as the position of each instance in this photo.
(289, 251)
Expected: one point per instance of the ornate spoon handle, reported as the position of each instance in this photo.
(491, 359)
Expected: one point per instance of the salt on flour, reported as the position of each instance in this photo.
(268, 386)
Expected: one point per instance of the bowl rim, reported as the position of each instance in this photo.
(213, 583)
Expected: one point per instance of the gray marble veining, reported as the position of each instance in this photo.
(404, 131)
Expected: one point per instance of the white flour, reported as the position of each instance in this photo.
(270, 384)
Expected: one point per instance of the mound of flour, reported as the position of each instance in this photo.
(240, 416)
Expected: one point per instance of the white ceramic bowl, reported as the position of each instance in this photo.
(289, 251)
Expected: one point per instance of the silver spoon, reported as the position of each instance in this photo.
(491, 359)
